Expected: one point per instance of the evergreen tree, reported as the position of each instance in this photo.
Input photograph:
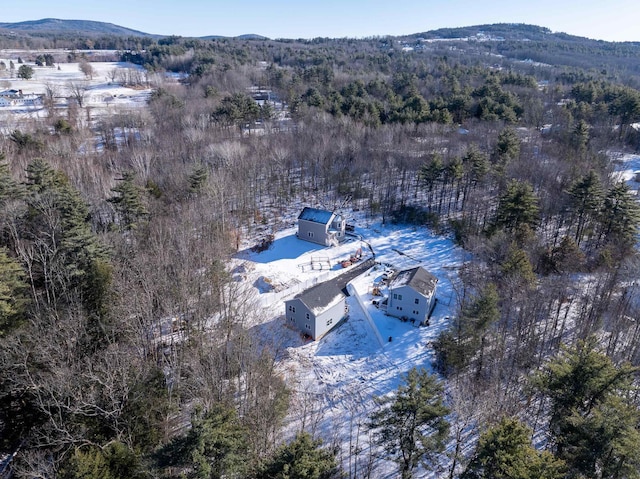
(303, 458)
(517, 208)
(214, 448)
(505, 452)
(456, 347)
(429, 174)
(113, 461)
(621, 216)
(411, 426)
(73, 263)
(198, 178)
(25, 72)
(594, 423)
(517, 268)
(507, 148)
(13, 293)
(129, 202)
(580, 136)
(586, 202)
(9, 188)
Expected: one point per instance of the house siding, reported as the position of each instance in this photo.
(321, 226)
(333, 316)
(296, 315)
(312, 231)
(406, 307)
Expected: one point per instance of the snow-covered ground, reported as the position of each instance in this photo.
(362, 357)
(628, 170)
(104, 91)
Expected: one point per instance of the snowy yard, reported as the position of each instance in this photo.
(355, 361)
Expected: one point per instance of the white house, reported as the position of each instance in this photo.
(319, 309)
(321, 226)
(412, 295)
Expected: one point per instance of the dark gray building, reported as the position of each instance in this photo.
(321, 226)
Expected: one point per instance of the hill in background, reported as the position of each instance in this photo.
(77, 27)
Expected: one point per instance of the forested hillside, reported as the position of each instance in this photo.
(111, 226)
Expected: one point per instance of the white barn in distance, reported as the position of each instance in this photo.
(323, 227)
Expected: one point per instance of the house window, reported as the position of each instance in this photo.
(290, 308)
(291, 319)
(310, 234)
(399, 308)
(329, 322)
(307, 316)
(307, 326)
(417, 301)
(400, 297)
(395, 296)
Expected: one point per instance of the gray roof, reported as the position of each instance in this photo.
(322, 295)
(315, 215)
(418, 278)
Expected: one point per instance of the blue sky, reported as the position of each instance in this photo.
(613, 20)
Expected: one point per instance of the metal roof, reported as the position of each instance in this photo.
(315, 215)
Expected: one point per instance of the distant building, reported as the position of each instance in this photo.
(10, 93)
(412, 295)
(321, 226)
(319, 309)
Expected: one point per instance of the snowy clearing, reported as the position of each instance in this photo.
(355, 361)
(103, 91)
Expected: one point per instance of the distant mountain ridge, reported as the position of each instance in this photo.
(82, 27)
(506, 31)
(90, 28)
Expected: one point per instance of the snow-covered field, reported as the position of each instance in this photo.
(341, 373)
(103, 91)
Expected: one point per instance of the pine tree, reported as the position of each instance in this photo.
(303, 458)
(621, 216)
(456, 347)
(214, 447)
(505, 452)
(594, 423)
(517, 268)
(198, 178)
(411, 426)
(13, 293)
(9, 188)
(517, 208)
(73, 263)
(586, 202)
(507, 148)
(129, 202)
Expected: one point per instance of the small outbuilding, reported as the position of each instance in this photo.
(412, 295)
(319, 309)
(323, 227)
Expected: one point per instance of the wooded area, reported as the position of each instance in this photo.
(110, 227)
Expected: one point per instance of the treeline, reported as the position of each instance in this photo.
(128, 349)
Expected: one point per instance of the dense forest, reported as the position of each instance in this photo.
(506, 145)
